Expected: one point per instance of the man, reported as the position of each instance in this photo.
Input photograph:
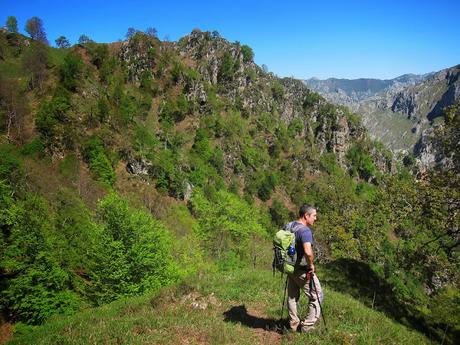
(301, 279)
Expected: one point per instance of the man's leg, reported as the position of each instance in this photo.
(314, 309)
(293, 297)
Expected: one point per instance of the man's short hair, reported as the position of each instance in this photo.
(306, 209)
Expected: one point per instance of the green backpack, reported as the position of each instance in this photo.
(285, 256)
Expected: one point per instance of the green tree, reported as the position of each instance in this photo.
(151, 32)
(277, 91)
(70, 70)
(134, 255)
(34, 27)
(226, 223)
(12, 24)
(99, 164)
(84, 39)
(227, 68)
(62, 42)
(99, 54)
(38, 286)
(130, 33)
(248, 53)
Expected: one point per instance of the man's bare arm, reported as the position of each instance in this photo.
(309, 255)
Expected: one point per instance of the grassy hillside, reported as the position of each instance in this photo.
(126, 168)
(225, 307)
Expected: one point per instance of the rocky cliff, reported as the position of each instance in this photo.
(257, 92)
(438, 148)
(396, 111)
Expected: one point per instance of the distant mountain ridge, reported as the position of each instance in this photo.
(395, 111)
(338, 90)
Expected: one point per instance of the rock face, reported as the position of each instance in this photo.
(256, 91)
(219, 77)
(395, 111)
(439, 147)
(138, 56)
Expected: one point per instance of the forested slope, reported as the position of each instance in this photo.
(131, 166)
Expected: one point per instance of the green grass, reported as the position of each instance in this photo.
(218, 308)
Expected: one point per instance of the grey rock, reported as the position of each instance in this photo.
(395, 111)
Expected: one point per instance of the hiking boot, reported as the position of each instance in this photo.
(307, 329)
(285, 330)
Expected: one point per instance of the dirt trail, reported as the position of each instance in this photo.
(251, 317)
(6, 332)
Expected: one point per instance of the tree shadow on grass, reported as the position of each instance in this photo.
(357, 279)
(239, 314)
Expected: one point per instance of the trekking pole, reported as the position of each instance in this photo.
(319, 301)
(284, 298)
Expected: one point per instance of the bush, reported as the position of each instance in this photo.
(248, 53)
(70, 71)
(99, 54)
(279, 213)
(174, 110)
(41, 291)
(361, 163)
(36, 145)
(311, 99)
(277, 91)
(37, 286)
(51, 114)
(168, 172)
(226, 223)
(99, 164)
(135, 254)
(129, 108)
(9, 163)
(227, 68)
(176, 72)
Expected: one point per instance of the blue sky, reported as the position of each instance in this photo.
(303, 38)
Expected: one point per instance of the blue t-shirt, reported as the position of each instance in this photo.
(302, 235)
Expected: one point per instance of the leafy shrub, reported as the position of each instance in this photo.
(202, 144)
(174, 110)
(9, 163)
(36, 145)
(99, 54)
(295, 127)
(361, 163)
(37, 286)
(99, 164)
(227, 68)
(248, 53)
(277, 91)
(70, 71)
(226, 223)
(176, 72)
(135, 254)
(102, 110)
(51, 114)
(311, 99)
(129, 108)
(265, 185)
(41, 291)
(168, 173)
(279, 213)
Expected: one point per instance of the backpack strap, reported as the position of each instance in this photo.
(294, 226)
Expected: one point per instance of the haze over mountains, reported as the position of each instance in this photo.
(395, 111)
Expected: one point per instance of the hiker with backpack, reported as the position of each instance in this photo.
(295, 258)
